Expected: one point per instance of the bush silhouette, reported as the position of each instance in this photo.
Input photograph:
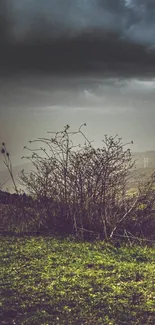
(82, 190)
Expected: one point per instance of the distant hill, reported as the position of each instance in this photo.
(145, 159)
(145, 166)
(5, 179)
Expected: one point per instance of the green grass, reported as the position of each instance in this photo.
(63, 282)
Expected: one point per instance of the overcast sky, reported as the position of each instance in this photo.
(132, 19)
(70, 62)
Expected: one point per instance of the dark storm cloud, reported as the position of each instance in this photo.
(133, 19)
(77, 32)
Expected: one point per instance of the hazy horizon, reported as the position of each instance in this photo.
(35, 105)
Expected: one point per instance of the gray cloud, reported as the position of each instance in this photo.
(133, 20)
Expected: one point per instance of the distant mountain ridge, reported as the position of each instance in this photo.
(145, 163)
(6, 181)
(145, 159)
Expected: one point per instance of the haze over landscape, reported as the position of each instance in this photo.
(70, 62)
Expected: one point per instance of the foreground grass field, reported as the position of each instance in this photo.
(63, 282)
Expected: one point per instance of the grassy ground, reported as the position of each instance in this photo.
(62, 282)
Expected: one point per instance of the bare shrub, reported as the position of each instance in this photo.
(7, 162)
(80, 186)
(81, 190)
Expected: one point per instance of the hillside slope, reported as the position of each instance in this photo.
(144, 167)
